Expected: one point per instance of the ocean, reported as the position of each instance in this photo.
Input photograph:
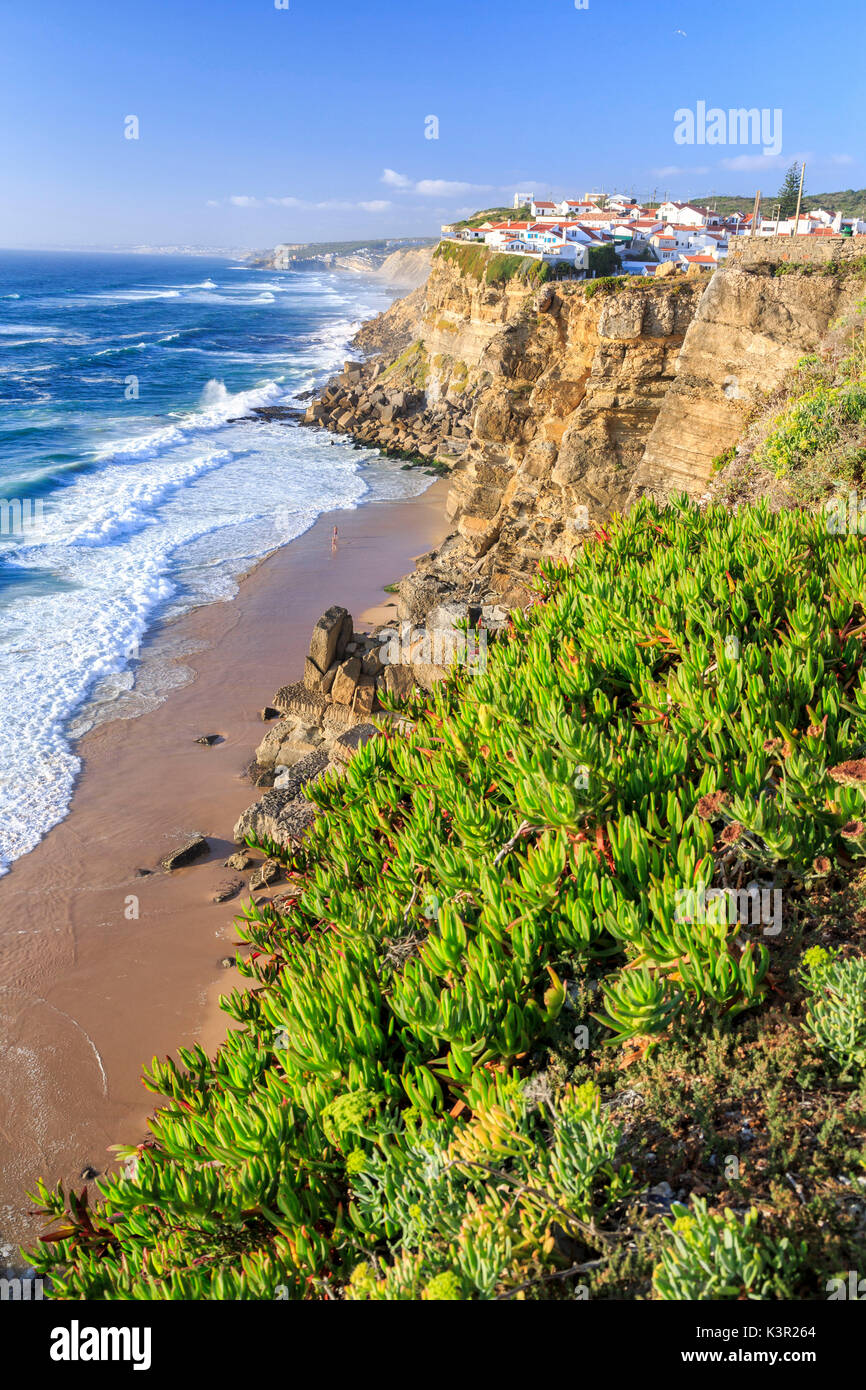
(130, 492)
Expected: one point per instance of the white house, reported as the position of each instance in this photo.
(502, 233)
(543, 234)
(784, 226)
(703, 262)
(687, 213)
(567, 253)
(575, 207)
(543, 209)
(644, 227)
(664, 246)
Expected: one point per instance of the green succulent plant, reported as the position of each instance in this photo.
(836, 1011)
(719, 1255)
(363, 1129)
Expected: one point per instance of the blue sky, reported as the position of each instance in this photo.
(259, 124)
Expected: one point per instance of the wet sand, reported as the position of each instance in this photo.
(100, 969)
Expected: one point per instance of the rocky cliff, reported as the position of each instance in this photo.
(405, 266)
(540, 400)
(555, 405)
(769, 307)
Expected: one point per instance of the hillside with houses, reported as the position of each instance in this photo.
(571, 235)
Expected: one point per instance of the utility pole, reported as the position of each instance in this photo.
(755, 210)
(799, 198)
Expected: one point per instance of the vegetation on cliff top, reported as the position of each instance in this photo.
(521, 214)
(480, 1030)
(851, 202)
(812, 433)
(492, 267)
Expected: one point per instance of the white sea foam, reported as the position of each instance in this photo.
(168, 514)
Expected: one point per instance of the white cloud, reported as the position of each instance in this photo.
(754, 163)
(670, 170)
(395, 180)
(445, 188)
(245, 200)
(433, 188)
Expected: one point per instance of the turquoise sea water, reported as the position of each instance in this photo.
(128, 490)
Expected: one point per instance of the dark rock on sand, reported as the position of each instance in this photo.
(228, 889)
(267, 874)
(194, 848)
(242, 860)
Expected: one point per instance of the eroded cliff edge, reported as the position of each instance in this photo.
(555, 406)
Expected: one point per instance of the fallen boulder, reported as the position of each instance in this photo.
(267, 873)
(278, 817)
(345, 681)
(271, 817)
(330, 636)
(193, 848)
(301, 702)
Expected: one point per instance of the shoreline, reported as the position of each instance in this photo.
(103, 969)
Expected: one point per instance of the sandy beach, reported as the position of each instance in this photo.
(103, 968)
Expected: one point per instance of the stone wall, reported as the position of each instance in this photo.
(804, 250)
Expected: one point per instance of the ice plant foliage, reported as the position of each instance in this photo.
(718, 1255)
(836, 1013)
(372, 1127)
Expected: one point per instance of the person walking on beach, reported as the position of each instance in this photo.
(334, 542)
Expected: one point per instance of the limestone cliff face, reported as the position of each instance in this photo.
(565, 400)
(407, 268)
(543, 400)
(771, 305)
(556, 405)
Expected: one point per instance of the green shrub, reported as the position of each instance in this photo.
(477, 1207)
(602, 260)
(605, 284)
(479, 263)
(817, 424)
(723, 459)
(715, 1255)
(532, 833)
(836, 1012)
